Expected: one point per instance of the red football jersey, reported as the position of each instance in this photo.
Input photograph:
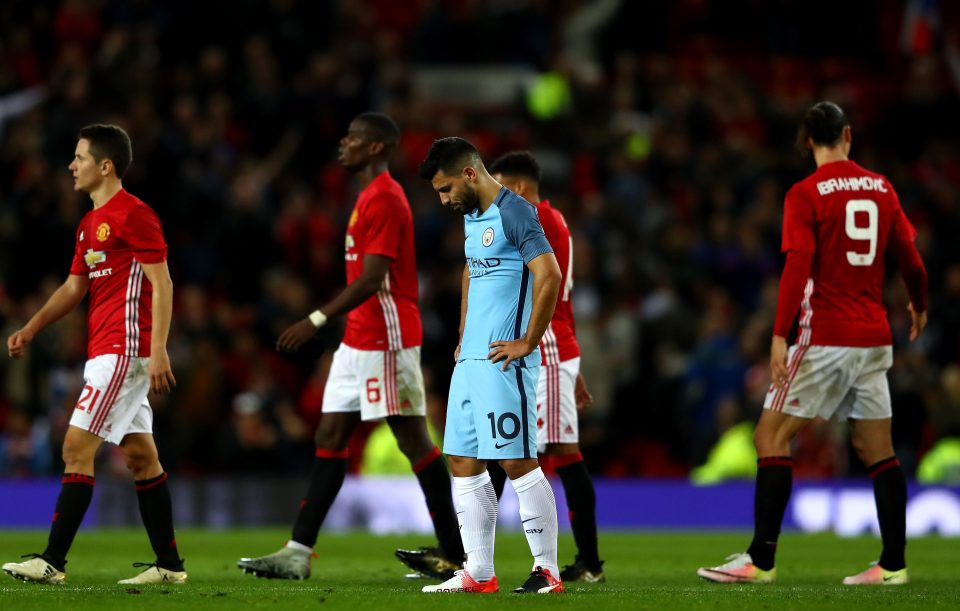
(382, 224)
(112, 243)
(559, 341)
(845, 216)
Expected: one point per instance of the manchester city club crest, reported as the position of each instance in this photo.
(487, 237)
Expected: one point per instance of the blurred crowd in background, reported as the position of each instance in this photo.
(665, 131)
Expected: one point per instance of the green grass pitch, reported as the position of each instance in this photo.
(357, 571)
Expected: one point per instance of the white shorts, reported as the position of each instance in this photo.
(557, 404)
(835, 380)
(114, 398)
(376, 383)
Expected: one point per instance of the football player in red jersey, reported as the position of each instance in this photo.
(561, 390)
(837, 225)
(120, 258)
(375, 372)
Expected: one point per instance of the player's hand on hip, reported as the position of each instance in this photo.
(778, 361)
(456, 354)
(509, 351)
(919, 322)
(296, 335)
(161, 375)
(581, 395)
(18, 342)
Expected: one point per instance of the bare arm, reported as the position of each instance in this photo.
(581, 394)
(915, 277)
(546, 285)
(464, 292)
(161, 373)
(375, 269)
(67, 296)
(793, 280)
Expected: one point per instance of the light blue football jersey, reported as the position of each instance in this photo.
(499, 244)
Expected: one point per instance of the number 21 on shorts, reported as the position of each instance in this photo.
(90, 394)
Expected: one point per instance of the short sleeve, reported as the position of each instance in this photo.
(798, 223)
(384, 220)
(522, 227)
(79, 266)
(143, 233)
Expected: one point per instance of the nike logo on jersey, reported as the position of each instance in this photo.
(501, 446)
(528, 519)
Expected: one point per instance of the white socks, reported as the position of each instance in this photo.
(299, 547)
(538, 514)
(476, 504)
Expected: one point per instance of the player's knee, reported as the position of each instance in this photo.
(410, 448)
(412, 442)
(761, 441)
(140, 460)
(77, 453)
(518, 467)
(71, 454)
(872, 451)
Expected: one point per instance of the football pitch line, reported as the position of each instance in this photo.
(357, 571)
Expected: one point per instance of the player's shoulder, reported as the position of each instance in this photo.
(126, 201)
(856, 167)
(135, 209)
(549, 214)
(512, 206)
(803, 187)
(385, 191)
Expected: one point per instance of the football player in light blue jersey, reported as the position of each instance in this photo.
(510, 284)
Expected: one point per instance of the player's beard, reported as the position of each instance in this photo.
(352, 168)
(469, 203)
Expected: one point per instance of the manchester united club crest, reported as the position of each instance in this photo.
(353, 219)
(103, 232)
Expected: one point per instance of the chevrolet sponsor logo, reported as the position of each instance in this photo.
(94, 257)
(100, 273)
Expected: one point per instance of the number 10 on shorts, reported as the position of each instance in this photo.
(508, 425)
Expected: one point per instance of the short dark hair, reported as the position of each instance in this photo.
(517, 163)
(450, 155)
(109, 142)
(382, 128)
(823, 123)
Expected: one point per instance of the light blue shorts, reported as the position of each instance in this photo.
(491, 413)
